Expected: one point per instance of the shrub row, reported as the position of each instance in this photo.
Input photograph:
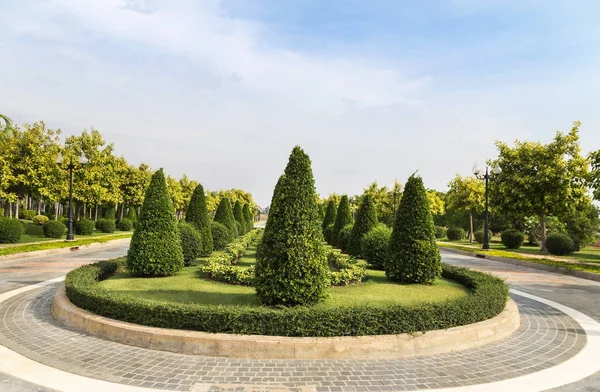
(487, 299)
(221, 267)
(344, 271)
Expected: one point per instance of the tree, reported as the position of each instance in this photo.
(540, 179)
(177, 196)
(413, 255)
(366, 219)
(248, 219)
(224, 215)
(155, 248)
(239, 217)
(385, 200)
(329, 214)
(466, 194)
(197, 215)
(595, 173)
(6, 128)
(291, 267)
(187, 189)
(343, 217)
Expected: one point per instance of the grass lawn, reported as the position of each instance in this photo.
(53, 243)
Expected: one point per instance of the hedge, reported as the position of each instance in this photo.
(10, 230)
(512, 239)
(487, 298)
(220, 235)
(125, 224)
(84, 227)
(375, 244)
(455, 234)
(560, 244)
(54, 229)
(106, 225)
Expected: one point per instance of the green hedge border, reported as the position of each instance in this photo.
(487, 299)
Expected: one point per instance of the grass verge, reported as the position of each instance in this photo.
(62, 244)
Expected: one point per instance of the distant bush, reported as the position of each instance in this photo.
(40, 219)
(10, 230)
(220, 234)
(375, 244)
(191, 243)
(27, 214)
(455, 234)
(479, 236)
(125, 225)
(54, 229)
(84, 227)
(512, 239)
(106, 225)
(328, 233)
(560, 244)
(343, 237)
(440, 232)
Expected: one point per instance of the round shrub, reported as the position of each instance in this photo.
(27, 214)
(560, 244)
(84, 227)
(343, 237)
(366, 219)
(10, 230)
(191, 243)
(197, 215)
(512, 239)
(375, 244)
(106, 225)
(455, 234)
(125, 225)
(54, 229)
(220, 234)
(40, 219)
(440, 232)
(479, 236)
(328, 234)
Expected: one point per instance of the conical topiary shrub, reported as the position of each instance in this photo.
(366, 219)
(155, 248)
(291, 265)
(343, 218)
(248, 217)
(329, 215)
(413, 255)
(197, 215)
(239, 216)
(224, 215)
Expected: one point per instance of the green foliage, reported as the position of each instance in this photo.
(155, 249)
(27, 214)
(291, 266)
(344, 270)
(488, 299)
(249, 220)
(10, 230)
(131, 214)
(221, 268)
(455, 234)
(239, 218)
(375, 244)
(385, 200)
(512, 239)
(531, 225)
(40, 219)
(560, 244)
(224, 215)
(190, 242)
(125, 225)
(197, 215)
(54, 229)
(84, 227)
(106, 225)
(581, 223)
(413, 256)
(466, 194)
(366, 219)
(329, 217)
(479, 236)
(343, 238)
(440, 232)
(328, 234)
(343, 217)
(110, 213)
(24, 248)
(220, 234)
(240, 228)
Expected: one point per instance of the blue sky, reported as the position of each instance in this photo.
(223, 89)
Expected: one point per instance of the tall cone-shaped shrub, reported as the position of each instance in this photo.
(343, 217)
(329, 215)
(197, 215)
(155, 249)
(239, 217)
(366, 219)
(413, 255)
(224, 215)
(291, 266)
(248, 217)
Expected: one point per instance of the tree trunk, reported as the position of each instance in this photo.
(122, 211)
(56, 210)
(116, 208)
(543, 232)
(96, 215)
(471, 225)
(17, 209)
(39, 208)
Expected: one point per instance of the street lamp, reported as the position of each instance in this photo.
(477, 172)
(82, 161)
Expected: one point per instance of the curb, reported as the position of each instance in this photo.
(281, 347)
(523, 263)
(48, 252)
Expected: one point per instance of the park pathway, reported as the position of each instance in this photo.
(546, 339)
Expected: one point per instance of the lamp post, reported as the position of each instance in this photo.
(486, 177)
(82, 160)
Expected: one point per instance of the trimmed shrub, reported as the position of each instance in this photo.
(84, 227)
(224, 215)
(440, 232)
(239, 218)
(110, 213)
(27, 214)
(560, 244)
(343, 217)
(329, 218)
(479, 236)
(10, 230)
(220, 235)
(197, 215)
(366, 219)
(240, 228)
(40, 219)
(106, 225)
(328, 234)
(291, 265)
(248, 218)
(344, 238)
(512, 239)
(155, 249)
(375, 244)
(191, 243)
(125, 225)
(413, 256)
(54, 229)
(455, 234)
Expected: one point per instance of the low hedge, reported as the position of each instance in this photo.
(10, 230)
(84, 227)
(455, 234)
(106, 225)
(54, 229)
(487, 298)
(125, 225)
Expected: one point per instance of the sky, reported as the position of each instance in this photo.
(222, 90)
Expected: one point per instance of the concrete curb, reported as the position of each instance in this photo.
(49, 252)
(278, 347)
(523, 263)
